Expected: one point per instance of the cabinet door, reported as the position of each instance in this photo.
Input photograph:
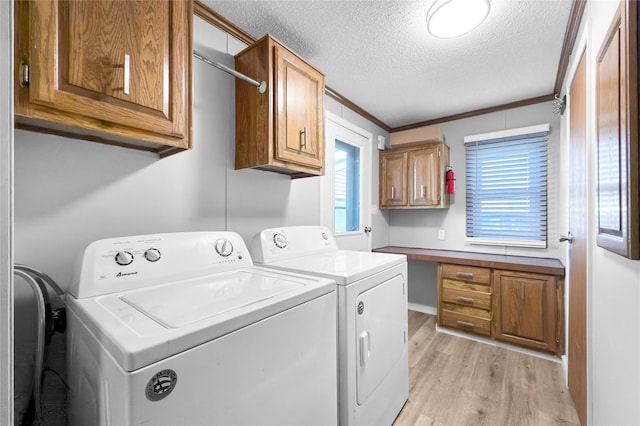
(299, 102)
(393, 178)
(526, 311)
(424, 184)
(107, 65)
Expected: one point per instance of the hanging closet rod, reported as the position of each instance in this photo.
(261, 86)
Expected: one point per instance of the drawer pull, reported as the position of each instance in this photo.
(465, 274)
(463, 299)
(465, 324)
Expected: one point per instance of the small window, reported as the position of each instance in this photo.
(347, 187)
(506, 187)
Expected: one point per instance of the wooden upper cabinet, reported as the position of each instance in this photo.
(426, 180)
(117, 72)
(281, 130)
(418, 180)
(617, 135)
(393, 178)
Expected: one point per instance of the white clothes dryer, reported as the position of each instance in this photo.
(182, 329)
(372, 316)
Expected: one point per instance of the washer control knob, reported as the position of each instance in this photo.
(223, 247)
(124, 258)
(280, 240)
(152, 255)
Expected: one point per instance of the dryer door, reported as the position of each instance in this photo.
(381, 326)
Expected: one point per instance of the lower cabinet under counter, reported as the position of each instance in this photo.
(512, 299)
(526, 310)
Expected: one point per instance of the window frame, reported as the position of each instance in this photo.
(507, 136)
(351, 200)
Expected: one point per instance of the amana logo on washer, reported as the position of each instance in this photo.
(161, 385)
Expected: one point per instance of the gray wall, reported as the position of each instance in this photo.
(419, 228)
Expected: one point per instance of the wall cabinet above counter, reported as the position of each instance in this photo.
(414, 177)
(282, 129)
(112, 72)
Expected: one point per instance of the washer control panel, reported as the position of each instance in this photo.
(134, 262)
(123, 258)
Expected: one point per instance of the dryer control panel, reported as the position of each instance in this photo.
(274, 244)
(126, 263)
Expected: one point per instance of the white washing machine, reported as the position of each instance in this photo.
(182, 329)
(372, 316)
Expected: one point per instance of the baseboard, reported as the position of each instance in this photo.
(431, 310)
(498, 344)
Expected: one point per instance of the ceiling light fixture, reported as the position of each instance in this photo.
(453, 18)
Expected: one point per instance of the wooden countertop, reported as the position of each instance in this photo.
(539, 265)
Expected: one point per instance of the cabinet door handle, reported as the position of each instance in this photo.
(421, 191)
(393, 192)
(127, 63)
(465, 274)
(464, 324)
(464, 299)
(522, 290)
(303, 138)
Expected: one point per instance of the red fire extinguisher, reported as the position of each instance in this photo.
(451, 180)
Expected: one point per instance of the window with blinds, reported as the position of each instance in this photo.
(506, 187)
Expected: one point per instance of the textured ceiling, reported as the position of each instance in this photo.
(379, 55)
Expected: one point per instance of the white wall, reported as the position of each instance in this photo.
(613, 281)
(419, 228)
(71, 192)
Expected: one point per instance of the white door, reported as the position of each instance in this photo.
(347, 183)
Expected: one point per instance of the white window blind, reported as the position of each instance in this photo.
(506, 187)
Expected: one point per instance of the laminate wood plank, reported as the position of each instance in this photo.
(489, 375)
(416, 321)
(457, 381)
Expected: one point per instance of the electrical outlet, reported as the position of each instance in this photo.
(441, 234)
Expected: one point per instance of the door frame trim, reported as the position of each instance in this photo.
(336, 119)
(6, 216)
(581, 47)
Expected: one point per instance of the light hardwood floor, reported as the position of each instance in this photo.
(456, 381)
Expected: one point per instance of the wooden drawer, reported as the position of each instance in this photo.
(466, 273)
(452, 293)
(465, 322)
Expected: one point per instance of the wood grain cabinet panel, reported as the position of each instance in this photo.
(618, 142)
(515, 307)
(117, 72)
(426, 180)
(419, 177)
(281, 130)
(466, 273)
(464, 298)
(526, 310)
(393, 178)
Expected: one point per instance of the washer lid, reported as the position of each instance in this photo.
(343, 266)
(140, 327)
(178, 306)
